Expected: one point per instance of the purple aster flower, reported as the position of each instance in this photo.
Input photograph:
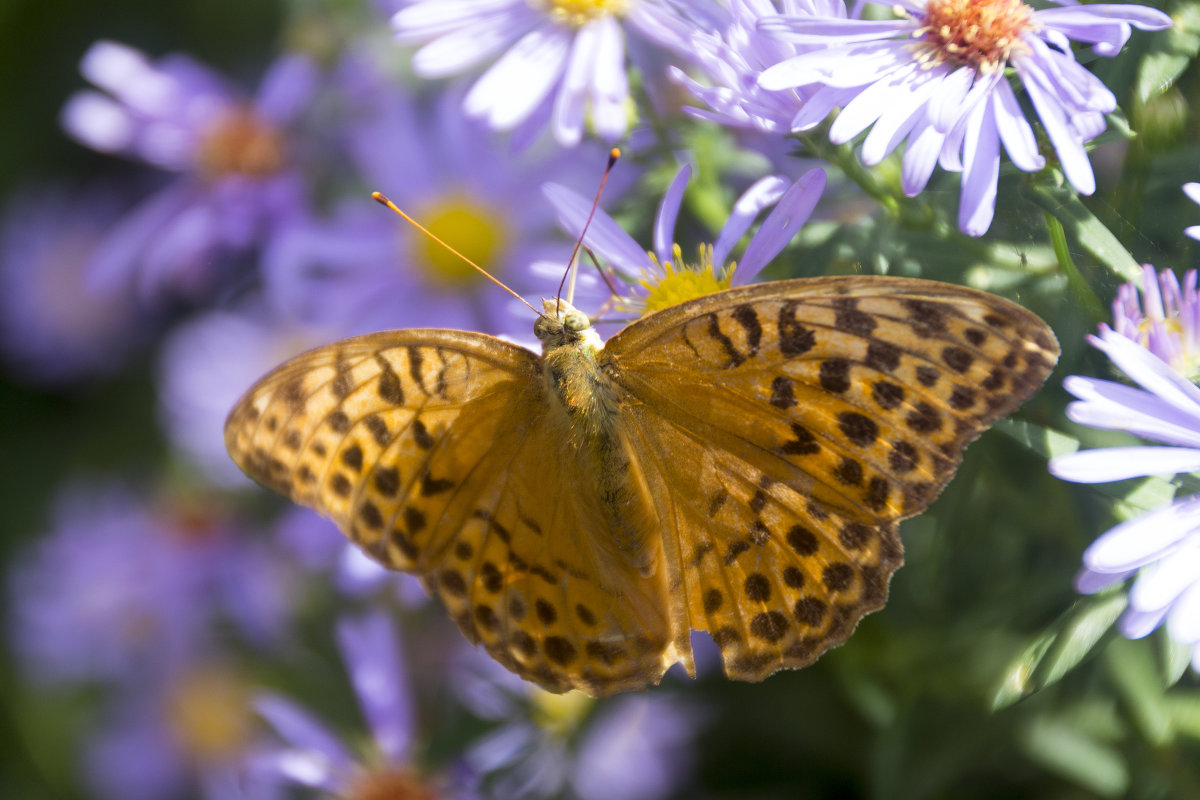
(1165, 320)
(464, 187)
(54, 327)
(636, 747)
(1192, 190)
(234, 157)
(188, 737)
(1161, 547)
(562, 62)
(660, 278)
(316, 757)
(936, 79)
(732, 57)
(120, 591)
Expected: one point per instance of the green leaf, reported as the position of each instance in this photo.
(1132, 667)
(1172, 52)
(1184, 710)
(1065, 750)
(1083, 227)
(1174, 658)
(1061, 647)
(1046, 442)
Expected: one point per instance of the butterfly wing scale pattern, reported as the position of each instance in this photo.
(433, 451)
(806, 418)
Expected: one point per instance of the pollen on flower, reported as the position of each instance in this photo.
(978, 33)
(577, 13)
(686, 281)
(471, 229)
(240, 142)
(209, 715)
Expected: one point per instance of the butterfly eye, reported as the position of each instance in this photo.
(545, 327)
(575, 320)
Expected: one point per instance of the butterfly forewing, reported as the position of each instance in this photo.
(817, 414)
(434, 452)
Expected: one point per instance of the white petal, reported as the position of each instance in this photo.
(1136, 624)
(465, 47)
(610, 82)
(1183, 623)
(516, 84)
(1144, 539)
(426, 20)
(1149, 371)
(1015, 131)
(569, 104)
(98, 121)
(1119, 463)
(1161, 585)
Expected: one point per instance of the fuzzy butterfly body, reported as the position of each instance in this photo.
(736, 464)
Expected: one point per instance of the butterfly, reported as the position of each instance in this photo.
(736, 464)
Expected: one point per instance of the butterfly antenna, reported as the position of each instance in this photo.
(605, 275)
(383, 201)
(613, 155)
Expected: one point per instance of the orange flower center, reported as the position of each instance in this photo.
(978, 33)
(240, 142)
(391, 785)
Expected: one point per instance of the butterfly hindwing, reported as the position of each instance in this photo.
(822, 411)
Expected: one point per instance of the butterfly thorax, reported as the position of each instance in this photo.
(594, 427)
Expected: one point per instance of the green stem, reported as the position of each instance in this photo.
(1058, 238)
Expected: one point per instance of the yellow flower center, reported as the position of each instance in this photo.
(471, 229)
(240, 142)
(391, 785)
(1187, 361)
(577, 13)
(686, 281)
(560, 714)
(978, 33)
(208, 714)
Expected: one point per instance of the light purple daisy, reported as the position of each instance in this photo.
(188, 737)
(560, 62)
(234, 157)
(936, 79)
(54, 328)
(1161, 547)
(121, 591)
(1164, 318)
(315, 757)
(636, 747)
(452, 176)
(732, 57)
(660, 278)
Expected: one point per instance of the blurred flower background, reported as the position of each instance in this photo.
(186, 203)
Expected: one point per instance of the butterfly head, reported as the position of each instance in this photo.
(563, 325)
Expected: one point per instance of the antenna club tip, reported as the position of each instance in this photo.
(614, 154)
(379, 198)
